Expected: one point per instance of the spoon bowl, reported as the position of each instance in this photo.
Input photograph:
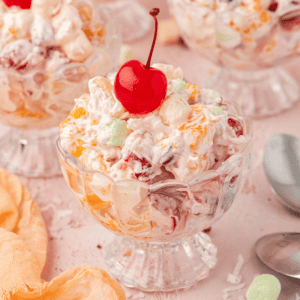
(282, 168)
(281, 252)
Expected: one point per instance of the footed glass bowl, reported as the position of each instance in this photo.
(160, 244)
(248, 43)
(35, 100)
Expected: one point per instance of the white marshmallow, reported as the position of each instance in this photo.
(175, 110)
(78, 49)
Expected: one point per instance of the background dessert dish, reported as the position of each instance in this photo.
(48, 53)
(247, 39)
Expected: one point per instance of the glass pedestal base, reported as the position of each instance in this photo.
(161, 266)
(260, 93)
(30, 153)
(134, 19)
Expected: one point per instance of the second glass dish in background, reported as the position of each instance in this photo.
(43, 68)
(247, 40)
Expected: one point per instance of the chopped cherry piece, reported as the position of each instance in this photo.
(273, 6)
(174, 224)
(233, 180)
(290, 21)
(165, 175)
(236, 125)
(132, 159)
(24, 4)
(207, 230)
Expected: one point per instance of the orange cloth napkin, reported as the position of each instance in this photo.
(23, 246)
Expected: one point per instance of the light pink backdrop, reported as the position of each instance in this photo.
(74, 236)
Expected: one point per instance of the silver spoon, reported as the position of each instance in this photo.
(282, 168)
(281, 252)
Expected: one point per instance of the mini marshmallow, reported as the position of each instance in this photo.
(41, 31)
(102, 98)
(6, 104)
(227, 37)
(45, 8)
(175, 110)
(127, 194)
(176, 85)
(16, 25)
(126, 54)
(117, 132)
(67, 24)
(78, 49)
(101, 186)
(169, 71)
(168, 31)
(217, 111)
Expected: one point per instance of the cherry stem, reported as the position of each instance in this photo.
(154, 12)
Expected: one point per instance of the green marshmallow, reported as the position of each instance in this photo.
(118, 132)
(178, 87)
(264, 287)
(225, 37)
(217, 111)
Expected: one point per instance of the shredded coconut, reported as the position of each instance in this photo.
(235, 277)
(225, 292)
(297, 297)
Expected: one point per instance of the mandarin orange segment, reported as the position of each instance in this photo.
(74, 179)
(25, 113)
(95, 202)
(78, 112)
(77, 151)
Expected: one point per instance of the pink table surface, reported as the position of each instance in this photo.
(76, 239)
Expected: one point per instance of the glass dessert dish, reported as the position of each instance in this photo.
(248, 40)
(132, 16)
(158, 178)
(48, 54)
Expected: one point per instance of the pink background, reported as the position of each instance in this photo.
(74, 236)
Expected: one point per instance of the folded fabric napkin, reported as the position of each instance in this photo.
(23, 247)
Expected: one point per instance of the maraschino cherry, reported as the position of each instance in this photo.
(140, 88)
(24, 4)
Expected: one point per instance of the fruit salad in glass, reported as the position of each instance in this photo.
(156, 160)
(49, 50)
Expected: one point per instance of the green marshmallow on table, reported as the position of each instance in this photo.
(117, 132)
(264, 287)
